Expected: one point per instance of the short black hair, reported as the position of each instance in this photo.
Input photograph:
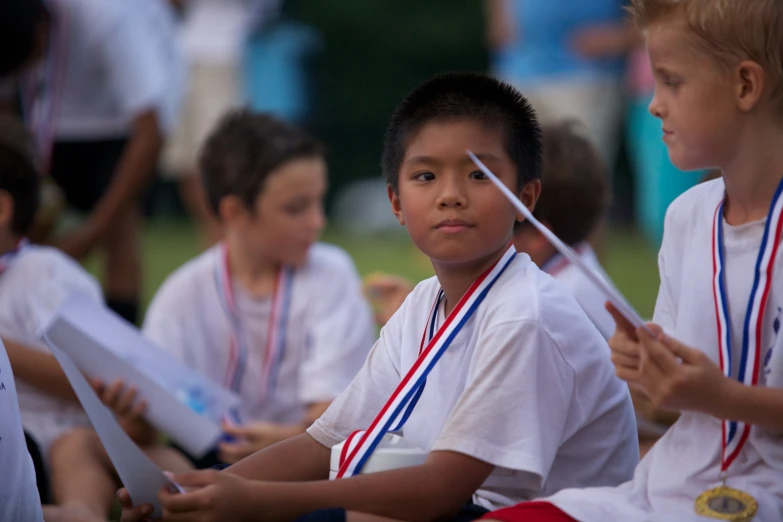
(244, 149)
(575, 185)
(18, 174)
(466, 95)
(19, 22)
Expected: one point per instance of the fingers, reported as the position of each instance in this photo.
(621, 360)
(125, 402)
(663, 359)
(131, 513)
(623, 324)
(684, 352)
(177, 503)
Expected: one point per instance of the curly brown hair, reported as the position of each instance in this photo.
(244, 149)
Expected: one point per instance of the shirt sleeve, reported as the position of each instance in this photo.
(530, 384)
(340, 333)
(130, 58)
(163, 323)
(356, 407)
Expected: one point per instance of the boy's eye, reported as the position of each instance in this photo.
(424, 176)
(477, 174)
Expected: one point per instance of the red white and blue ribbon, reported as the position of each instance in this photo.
(359, 445)
(558, 262)
(42, 87)
(735, 433)
(7, 259)
(276, 338)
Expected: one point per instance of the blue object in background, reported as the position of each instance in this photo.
(275, 69)
(658, 182)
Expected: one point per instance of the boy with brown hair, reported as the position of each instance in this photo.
(718, 67)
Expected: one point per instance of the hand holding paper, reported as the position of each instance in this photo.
(611, 295)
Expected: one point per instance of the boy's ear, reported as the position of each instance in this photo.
(529, 196)
(6, 210)
(231, 209)
(394, 198)
(750, 85)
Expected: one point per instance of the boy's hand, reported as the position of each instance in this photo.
(254, 437)
(129, 411)
(212, 496)
(678, 377)
(386, 294)
(132, 514)
(625, 347)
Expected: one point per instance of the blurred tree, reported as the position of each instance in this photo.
(374, 52)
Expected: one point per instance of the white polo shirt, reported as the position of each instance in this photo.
(32, 289)
(686, 460)
(527, 385)
(121, 58)
(327, 335)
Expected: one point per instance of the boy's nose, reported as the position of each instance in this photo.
(452, 195)
(656, 108)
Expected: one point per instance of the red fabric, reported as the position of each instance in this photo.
(530, 512)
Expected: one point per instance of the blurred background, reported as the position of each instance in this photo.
(339, 68)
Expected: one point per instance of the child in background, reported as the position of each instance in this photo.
(574, 199)
(515, 337)
(100, 84)
(269, 313)
(34, 283)
(715, 355)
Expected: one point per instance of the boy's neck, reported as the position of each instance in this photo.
(255, 274)
(752, 178)
(455, 279)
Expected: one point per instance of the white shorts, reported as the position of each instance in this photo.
(597, 104)
(213, 89)
(46, 428)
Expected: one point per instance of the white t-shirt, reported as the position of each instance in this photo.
(32, 289)
(18, 492)
(527, 385)
(122, 58)
(328, 333)
(584, 290)
(686, 460)
(216, 31)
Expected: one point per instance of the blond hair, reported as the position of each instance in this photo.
(730, 30)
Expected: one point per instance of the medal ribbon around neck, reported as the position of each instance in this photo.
(42, 90)
(359, 445)
(734, 433)
(278, 319)
(7, 259)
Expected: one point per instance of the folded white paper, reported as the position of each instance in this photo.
(140, 476)
(180, 401)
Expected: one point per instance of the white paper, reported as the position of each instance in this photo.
(612, 295)
(180, 401)
(140, 476)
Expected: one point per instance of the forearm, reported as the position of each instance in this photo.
(755, 405)
(419, 493)
(39, 369)
(300, 458)
(134, 172)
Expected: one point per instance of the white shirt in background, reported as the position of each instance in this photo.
(685, 462)
(587, 294)
(122, 58)
(328, 333)
(32, 289)
(527, 385)
(19, 498)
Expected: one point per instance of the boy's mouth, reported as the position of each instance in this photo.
(453, 225)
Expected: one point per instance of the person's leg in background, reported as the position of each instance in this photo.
(123, 264)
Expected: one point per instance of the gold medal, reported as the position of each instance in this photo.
(725, 503)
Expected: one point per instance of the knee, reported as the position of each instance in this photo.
(77, 441)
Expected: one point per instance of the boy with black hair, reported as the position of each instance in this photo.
(490, 334)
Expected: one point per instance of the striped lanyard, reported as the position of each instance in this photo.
(42, 87)
(359, 445)
(276, 338)
(558, 262)
(7, 259)
(735, 433)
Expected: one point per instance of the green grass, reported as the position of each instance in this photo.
(628, 260)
